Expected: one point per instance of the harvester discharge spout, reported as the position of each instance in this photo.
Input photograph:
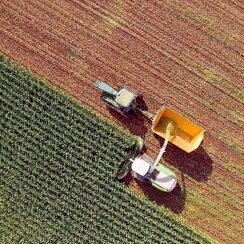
(169, 126)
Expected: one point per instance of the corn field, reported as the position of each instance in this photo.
(58, 164)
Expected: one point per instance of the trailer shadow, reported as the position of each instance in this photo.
(174, 200)
(196, 164)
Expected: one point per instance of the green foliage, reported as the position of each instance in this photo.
(213, 77)
(58, 162)
(188, 12)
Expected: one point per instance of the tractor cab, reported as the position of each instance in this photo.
(125, 98)
(122, 100)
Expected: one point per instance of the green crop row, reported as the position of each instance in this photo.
(58, 164)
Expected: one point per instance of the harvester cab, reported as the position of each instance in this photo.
(161, 177)
(167, 124)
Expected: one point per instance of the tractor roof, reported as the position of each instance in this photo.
(125, 98)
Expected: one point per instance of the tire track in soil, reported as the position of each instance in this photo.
(220, 9)
(176, 7)
(214, 10)
(157, 20)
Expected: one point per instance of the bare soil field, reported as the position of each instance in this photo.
(187, 55)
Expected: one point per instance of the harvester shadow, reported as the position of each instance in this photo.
(196, 164)
(174, 200)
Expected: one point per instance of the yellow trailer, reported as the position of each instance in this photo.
(186, 135)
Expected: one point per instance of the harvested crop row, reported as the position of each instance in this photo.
(190, 48)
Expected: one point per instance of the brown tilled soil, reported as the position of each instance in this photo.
(187, 55)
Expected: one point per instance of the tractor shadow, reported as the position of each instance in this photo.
(141, 103)
(135, 122)
(196, 164)
(174, 200)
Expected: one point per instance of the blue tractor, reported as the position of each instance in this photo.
(122, 101)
